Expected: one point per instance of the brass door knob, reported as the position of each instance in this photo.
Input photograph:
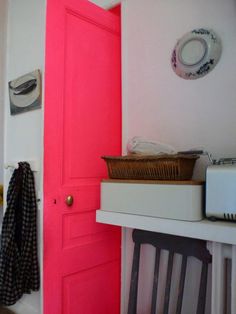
(69, 200)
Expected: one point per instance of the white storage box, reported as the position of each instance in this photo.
(181, 200)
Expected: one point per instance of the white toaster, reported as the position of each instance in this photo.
(221, 192)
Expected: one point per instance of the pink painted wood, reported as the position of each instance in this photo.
(82, 122)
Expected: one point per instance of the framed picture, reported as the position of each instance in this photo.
(25, 93)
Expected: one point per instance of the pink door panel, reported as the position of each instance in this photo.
(82, 123)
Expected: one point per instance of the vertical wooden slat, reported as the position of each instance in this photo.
(233, 280)
(168, 282)
(227, 290)
(181, 284)
(155, 281)
(133, 293)
(217, 303)
(202, 290)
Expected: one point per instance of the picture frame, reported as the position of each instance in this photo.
(25, 93)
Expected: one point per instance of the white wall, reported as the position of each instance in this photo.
(23, 132)
(3, 29)
(159, 105)
(3, 23)
(105, 3)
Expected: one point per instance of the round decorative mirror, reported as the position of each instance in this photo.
(196, 54)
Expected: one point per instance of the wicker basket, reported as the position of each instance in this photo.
(164, 167)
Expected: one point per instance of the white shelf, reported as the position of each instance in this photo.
(224, 232)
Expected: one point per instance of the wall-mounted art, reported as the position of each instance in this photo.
(196, 54)
(25, 93)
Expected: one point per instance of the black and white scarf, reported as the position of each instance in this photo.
(19, 270)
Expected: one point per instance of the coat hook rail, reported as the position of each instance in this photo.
(34, 165)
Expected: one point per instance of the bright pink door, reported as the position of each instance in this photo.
(82, 123)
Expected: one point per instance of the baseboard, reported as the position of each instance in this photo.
(23, 308)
